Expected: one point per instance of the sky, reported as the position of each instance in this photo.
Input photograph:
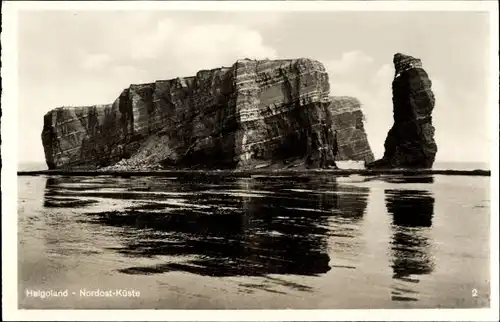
(74, 58)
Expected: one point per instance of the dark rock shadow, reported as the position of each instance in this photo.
(409, 178)
(54, 196)
(406, 178)
(412, 212)
(228, 226)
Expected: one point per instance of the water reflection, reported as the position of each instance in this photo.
(412, 212)
(226, 226)
(409, 178)
(111, 229)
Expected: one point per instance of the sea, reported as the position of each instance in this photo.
(254, 241)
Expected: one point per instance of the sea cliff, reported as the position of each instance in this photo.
(254, 114)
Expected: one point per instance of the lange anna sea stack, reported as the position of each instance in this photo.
(410, 142)
(257, 113)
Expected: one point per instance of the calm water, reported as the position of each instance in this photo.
(270, 242)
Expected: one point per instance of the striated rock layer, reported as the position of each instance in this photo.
(410, 142)
(267, 113)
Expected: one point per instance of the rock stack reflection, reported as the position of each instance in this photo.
(227, 226)
(412, 212)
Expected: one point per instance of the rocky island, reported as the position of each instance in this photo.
(255, 114)
(410, 142)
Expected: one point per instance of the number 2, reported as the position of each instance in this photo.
(474, 292)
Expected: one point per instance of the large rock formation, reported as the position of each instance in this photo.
(410, 141)
(267, 113)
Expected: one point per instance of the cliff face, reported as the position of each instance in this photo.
(254, 114)
(410, 142)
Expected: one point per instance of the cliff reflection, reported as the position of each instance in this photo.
(412, 212)
(227, 226)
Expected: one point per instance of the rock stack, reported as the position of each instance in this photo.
(410, 142)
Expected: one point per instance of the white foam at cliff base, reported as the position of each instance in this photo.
(350, 164)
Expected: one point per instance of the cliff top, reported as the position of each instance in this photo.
(316, 65)
(404, 62)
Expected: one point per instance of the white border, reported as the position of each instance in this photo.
(259, 5)
(9, 168)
